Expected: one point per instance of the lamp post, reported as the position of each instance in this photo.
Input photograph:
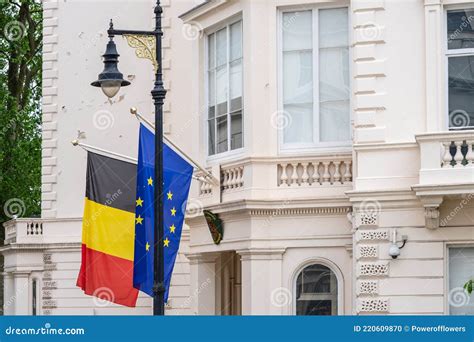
(148, 45)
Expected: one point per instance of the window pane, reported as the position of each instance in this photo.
(461, 266)
(221, 134)
(212, 51)
(461, 92)
(297, 77)
(235, 83)
(298, 125)
(297, 30)
(236, 130)
(334, 121)
(222, 90)
(316, 291)
(334, 75)
(212, 87)
(221, 46)
(461, 29)
(236, 41)
(333, 26)
(212, 136)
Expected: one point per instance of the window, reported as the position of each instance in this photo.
(34, 298)
(225, 89)
(315, 78)
(460, 55)
(461, 270)
(316, 291)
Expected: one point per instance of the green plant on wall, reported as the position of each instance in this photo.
(468, 286)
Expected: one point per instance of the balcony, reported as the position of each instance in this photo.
(319, 177)
(446, 169)
(42, 231)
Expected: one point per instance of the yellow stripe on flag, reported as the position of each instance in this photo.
(108, 230)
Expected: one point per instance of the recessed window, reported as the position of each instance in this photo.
(461, 271)
(225, 89)
(315, 77)
(460, 55)
(316, 291)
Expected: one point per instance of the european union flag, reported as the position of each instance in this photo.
(177, 175)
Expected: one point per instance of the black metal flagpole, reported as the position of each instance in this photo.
(158, 93)
(110, 80)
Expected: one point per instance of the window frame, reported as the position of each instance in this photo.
(334, 269)
(213, 30)
(316, 145)
(447, 53)
(448, 247)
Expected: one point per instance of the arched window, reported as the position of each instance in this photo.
(316, 291)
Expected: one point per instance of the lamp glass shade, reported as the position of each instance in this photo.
(111, 87)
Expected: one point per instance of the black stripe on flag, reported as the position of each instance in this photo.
(111, 182)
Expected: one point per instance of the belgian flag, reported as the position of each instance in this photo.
(108, 230)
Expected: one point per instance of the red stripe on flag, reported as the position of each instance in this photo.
(107, 277)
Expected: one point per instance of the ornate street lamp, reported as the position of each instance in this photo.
(148, 45)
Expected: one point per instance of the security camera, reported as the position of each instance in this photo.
(394, 251)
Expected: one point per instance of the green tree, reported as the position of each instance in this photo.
(20, 108)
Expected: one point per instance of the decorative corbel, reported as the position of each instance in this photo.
(431, 205)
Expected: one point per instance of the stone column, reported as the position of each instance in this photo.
(21, 299)
(262, 286)
(203, 283)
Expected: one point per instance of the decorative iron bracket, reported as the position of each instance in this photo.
(144, 46)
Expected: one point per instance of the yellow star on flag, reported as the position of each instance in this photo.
(172, 228)
(138, 220)
(170, 195)
(147, 246)
(173, 212)
(139, 202)
(166, 242)
(150, 181)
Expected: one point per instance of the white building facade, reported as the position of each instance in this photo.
(337, 129)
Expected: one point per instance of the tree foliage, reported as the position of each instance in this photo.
(20, 109)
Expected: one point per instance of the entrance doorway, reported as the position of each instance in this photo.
(229, 284)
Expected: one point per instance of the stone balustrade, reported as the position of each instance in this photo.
(315, 172)
(457, 153)
(40, 230)
(275, 178)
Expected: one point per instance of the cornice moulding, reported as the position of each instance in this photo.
(201, 9)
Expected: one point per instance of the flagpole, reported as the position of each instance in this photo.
(110, 80)
(158, 94)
